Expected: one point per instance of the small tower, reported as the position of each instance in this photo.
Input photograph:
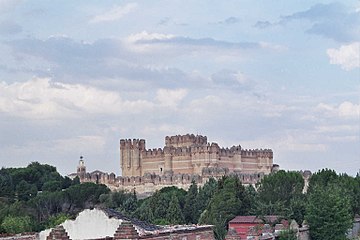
(81, 169)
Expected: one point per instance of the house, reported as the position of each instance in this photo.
(251, 225)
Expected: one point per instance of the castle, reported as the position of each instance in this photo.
(190, 154)
(183, 159)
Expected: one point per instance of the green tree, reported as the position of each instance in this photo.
(228, 201)
(13, 224)
(174, 214)
(56, 220)
(47, 204)
(349, 185)
(281, 194)
(161, 205)
(322, 178)
(328, 213)
(191, 213)
(154, 209)
(85, 195)
(145, 212)
(6, 185)
(52, 186)
(204, 196)
(25, 191)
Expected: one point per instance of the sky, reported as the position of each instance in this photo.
(78, 76)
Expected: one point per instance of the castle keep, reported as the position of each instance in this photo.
(190, 154)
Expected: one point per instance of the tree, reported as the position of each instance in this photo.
(280, 186)
(52, 186)
(6, 185)
(47, 204)
(25, 191)
(174, 214)
(56, 220)
(204, 196)
(228, 201)
(145, 212)
(191, 213)
(13, 224)
(328, 213)
(85, 195)
(161, 205)
(322, 178)
(281, 194)
(349, 185)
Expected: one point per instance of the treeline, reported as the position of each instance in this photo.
(38, 197)
(328, 206)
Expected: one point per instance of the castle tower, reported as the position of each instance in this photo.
(168, 158)
(131, 156)
(81, 168)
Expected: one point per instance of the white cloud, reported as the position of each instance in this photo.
(144, 35)
(170, 98)
(344, 110)
(40, 98)
(347, 56)
(115, 13)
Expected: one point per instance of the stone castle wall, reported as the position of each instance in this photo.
(189, 154)
(149, 183)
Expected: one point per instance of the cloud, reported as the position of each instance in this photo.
(346, 110)
(347, 56)
(263, 24)
(114, 14)
(146, 38)
(333, 20)
(44, 99)
(229, 21)
(143, 41)
(231, 79)
(170, 98)
(69, 60)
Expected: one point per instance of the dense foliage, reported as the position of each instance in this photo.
(38, 197)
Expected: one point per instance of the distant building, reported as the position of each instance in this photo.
(183, 159)
(190, 154)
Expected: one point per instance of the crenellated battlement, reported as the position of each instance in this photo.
(132, 144)
(156, 152)
(185, 140)
(257, 153)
